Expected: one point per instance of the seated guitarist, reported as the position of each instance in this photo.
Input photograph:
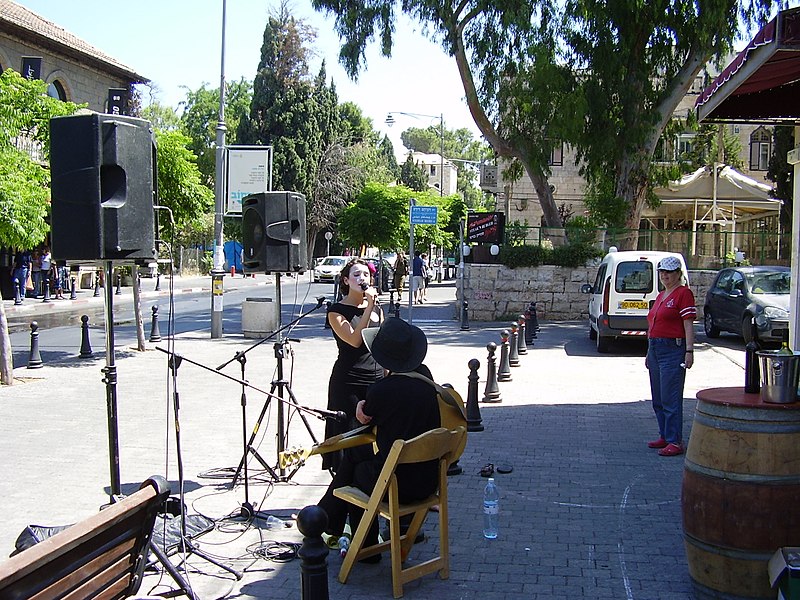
(402, 408)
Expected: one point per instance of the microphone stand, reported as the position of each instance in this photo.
(247, 508)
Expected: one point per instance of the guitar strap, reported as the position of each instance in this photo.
(441, 390)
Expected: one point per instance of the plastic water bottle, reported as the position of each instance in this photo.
(343, 545)
(274, 522)
(491, 510)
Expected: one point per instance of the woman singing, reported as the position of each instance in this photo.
(354, 369)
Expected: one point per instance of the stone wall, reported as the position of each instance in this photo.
(498, 293)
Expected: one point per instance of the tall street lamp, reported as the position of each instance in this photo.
(217, 271)
(390, 121)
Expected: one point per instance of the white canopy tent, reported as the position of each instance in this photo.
(717, 195)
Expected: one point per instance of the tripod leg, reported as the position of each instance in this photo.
(173, 572)
(192, 549)
(250, 449)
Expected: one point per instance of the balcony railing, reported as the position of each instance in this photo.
(32, 147)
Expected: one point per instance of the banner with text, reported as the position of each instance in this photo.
(248, 171)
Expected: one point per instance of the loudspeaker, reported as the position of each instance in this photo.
(103, 170)
(274, 233)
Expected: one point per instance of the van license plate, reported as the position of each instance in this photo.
(642, 304)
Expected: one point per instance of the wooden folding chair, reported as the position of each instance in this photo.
(439, 444)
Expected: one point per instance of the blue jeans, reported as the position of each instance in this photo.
(664, 358)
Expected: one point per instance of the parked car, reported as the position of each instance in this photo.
(624, 289)
(329, 268)
(740, 294)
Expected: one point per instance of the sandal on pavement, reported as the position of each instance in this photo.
(487, 470)
(670, 450)
(659, 443)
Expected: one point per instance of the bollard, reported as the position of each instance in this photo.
(158, 282)
(504, 370)
(118, 291)
(17, 296)
(46, 284)
(73, 292)
(473, 410)
(313, 554)
(464, 315)
(532, 330)
(86, 348)
(397, 308)
(391, 300)
(34, 358)
(492, 391)
(233, 271)
(96, 285)
(513, 355)
(155, 333)
(522, 347)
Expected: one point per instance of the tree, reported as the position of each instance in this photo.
(605, 76)
(200, 118)
(179, 184)
(161, 116)
(25, 113)
(636, 62)
(377, 218)
(283, 110)
(412, 176)
(780, 172)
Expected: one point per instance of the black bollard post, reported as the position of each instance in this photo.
(522, 347)
(492, 391)
(118, 291)
(397, 308)
(473, 410)
(391, 300)
(311, 522)
(532, 330)
(17, 294)
(464, 315)
(155, 333)
(504, 370)
(73, 291)
(158, 282)
(46, 284)
(96, 285)
(34, 358)
(86, 348)
(513, 355)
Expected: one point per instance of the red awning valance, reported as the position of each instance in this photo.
(763, 82)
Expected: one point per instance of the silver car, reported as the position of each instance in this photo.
(743, 296)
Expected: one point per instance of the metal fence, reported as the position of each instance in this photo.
(707, 249)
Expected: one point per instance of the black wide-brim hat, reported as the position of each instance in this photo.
(396, 345)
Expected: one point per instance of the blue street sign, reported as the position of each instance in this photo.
(423, 215)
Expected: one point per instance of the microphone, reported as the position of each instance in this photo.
(336, 415)
(364, 285)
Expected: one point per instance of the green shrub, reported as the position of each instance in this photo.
(571, 255)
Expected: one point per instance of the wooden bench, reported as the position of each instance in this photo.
(103, 556)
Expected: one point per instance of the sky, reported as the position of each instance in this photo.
(178, 43)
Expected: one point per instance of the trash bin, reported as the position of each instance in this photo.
(259, 317)
(784, 573)
(779, 376)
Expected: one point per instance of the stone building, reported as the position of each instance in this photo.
(74, 71)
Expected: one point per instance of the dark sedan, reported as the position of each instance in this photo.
(741, 296)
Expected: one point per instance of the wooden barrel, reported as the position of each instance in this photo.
(741, 490)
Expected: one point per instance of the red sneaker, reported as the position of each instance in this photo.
(659, 443)
(671, 450)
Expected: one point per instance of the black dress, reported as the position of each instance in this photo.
(353, 372)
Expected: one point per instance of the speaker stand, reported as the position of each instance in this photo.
(110, 379)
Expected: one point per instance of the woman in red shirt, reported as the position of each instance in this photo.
(670, 352)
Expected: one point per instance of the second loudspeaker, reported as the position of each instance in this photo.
(274, 233)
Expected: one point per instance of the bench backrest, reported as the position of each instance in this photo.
(100, 557)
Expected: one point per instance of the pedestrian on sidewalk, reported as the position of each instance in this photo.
(670, 352)
(19, 277)
(400, 273)
(416, 277)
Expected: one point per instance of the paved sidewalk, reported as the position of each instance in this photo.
(588, 511)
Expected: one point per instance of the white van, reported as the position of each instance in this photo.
(623, 292)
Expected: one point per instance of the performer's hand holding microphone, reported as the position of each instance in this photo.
(364, 287)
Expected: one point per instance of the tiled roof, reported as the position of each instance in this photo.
(19, 16)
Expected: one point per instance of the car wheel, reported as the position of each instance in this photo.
(603, 343)
(748, 331)
(711, 330)
(592, 333)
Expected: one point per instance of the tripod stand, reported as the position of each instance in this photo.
(247, 445)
